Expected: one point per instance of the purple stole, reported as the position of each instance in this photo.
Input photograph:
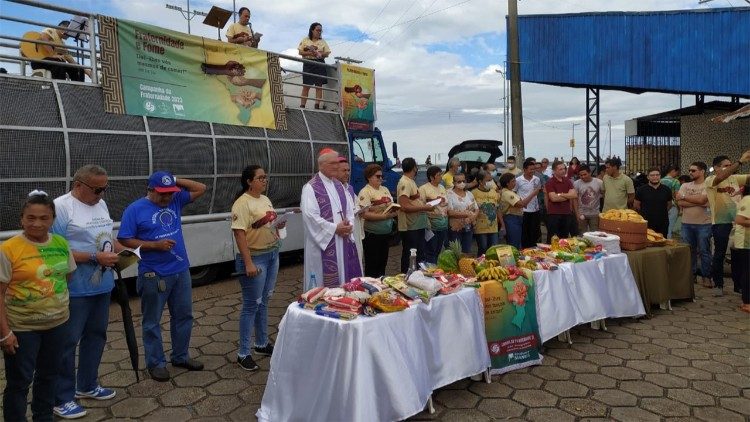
(330, 263)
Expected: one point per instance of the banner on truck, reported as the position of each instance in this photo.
(358, 96)
(152, 71)
(510, 323)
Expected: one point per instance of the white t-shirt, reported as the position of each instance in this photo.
(457, 203)
(589, 196)
(87, 228)
(524, 188)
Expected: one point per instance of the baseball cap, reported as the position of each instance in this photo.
(163, 182)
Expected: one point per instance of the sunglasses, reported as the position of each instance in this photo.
(379, 176)
(96, 190)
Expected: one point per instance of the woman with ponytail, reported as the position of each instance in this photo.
(257, 262)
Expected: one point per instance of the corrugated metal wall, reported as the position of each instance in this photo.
(700, 51)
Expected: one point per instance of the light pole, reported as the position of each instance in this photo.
(573, 140)
(506, 126)
(187, 14)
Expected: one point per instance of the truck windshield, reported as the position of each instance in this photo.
(367, 149)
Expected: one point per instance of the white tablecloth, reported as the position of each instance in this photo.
(585, 292)
(373, 369)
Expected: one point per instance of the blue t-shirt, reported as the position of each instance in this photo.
(87, 228)
(144, 220)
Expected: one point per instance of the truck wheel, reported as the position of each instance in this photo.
(203, 275)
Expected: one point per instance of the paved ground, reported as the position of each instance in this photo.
(690, 363)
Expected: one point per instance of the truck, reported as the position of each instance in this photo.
(49, 128)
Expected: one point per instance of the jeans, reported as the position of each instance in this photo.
(532, 230)
(256, 292)
(721, 241)
(87, 331)
(741, 273)
(698, 236)
(37, 358)
(435, 245)
(484, 241)
(588, 224)
(412, 239)
(463, 236)
(673, 213)
(375, 247)
(513, 229)
(559, 225)
(177, 295)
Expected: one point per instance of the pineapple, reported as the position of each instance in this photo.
(465, 264)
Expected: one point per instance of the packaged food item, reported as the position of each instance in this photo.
(314, 294)
(387, 301)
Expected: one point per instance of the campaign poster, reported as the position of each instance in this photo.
(357, 96)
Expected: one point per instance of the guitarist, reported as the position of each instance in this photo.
(58, 54)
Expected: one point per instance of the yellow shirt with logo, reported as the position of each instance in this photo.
(448, 180)
(439, 217)
(254, 216)
(488, 202)
(378, 200)
(319, 43)
(723, 199)
(415, 220)
(36, 276)
(508, 198)
(742, 233)
(238, 28)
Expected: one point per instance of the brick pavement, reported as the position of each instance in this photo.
(692, 363)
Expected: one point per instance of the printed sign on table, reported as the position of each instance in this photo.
(510, 323)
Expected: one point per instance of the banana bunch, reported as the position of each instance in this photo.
(654, 236)
(493, 273)
(622, 215)
(490, 263)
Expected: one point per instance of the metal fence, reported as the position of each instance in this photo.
(644, 152)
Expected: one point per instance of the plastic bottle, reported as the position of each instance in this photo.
(313, 282)
(412, 260)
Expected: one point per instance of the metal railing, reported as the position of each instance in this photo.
(88, 56)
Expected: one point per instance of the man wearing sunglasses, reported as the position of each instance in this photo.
(696, 221)
(83, 219)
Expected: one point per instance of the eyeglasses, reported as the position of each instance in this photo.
(96, 190)
(379, 176)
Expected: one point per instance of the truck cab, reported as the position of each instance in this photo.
(365, 148)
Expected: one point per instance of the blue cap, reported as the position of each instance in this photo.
(163, 182)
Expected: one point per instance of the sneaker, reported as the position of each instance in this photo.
(159, 374)
(69, 410)
(247, 363)
(718, 292)
(98, 393)
(266, 350)
(190, 365)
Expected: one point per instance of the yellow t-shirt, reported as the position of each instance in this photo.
(238, 28)
(616, 191)
(487, 219)
(448, 180)
(415, 220)
(254, 216)
(439, 217)
(723, 204)
(742, 233)
(319, 43)
(36, 275)
(508, 198)
(52, 33)
(378, 200)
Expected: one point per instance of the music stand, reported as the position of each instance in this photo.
(217, 17)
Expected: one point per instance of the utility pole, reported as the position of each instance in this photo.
(187, 14)
(609, 129)
(506, 123)
(515, 81)
(573, 140)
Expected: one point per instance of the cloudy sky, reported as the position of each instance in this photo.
(435, 63)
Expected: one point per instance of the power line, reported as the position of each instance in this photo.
(385, 44)
(395, 22)
(370, 25)
(403, 23)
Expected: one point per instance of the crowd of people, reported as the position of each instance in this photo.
(56, 277)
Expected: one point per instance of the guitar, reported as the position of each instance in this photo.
(33, 50)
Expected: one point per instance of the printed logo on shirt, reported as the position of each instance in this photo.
(165, 217)
(234, 217)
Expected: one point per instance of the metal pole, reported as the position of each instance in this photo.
(515, 81)
(189, 17)
(92, 49)
(234, 11)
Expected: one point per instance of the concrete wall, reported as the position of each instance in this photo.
(702, 139)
